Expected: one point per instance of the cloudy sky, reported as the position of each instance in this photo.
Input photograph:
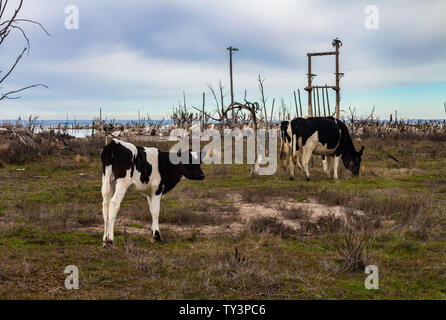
(141, 55)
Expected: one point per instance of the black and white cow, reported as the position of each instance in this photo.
(285, 146)
(285, 141)
(149, 170)
(323, 136)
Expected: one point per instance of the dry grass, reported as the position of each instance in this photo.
(44, 211)
(81, 159)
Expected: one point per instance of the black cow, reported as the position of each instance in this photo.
(323, 136)
(149, 170)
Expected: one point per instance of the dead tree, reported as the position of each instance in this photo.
(352, 117)
(219, 102)
(253, 108)
(13, 24)
(181, 116)
(263, 99)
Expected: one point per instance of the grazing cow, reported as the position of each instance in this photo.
(149, 170)
(285, 145)
(285, 141)
(323, 136)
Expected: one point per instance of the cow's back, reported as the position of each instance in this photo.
(119, 157)
(328, 130)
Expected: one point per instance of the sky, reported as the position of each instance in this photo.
(135, 55)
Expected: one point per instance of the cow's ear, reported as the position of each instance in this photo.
(361, 151)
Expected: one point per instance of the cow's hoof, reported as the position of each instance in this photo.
(156, 236)
(291, 178)
(308, 178)
(108, 243)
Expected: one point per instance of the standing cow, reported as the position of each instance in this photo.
(149, 170)
(285, 146)
(285, 141)
(323, 136)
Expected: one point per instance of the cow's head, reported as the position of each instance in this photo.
(352, 161)
(192, 170)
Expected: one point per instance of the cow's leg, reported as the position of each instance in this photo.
(282, 154)
(325, 164)
(294, 161)
(154, 204)
(335, 167)
(291, 167)
(121, 188)
(299, 160)
(306, 156)
(329, 160)
(108, 189)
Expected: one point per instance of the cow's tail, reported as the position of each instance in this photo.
(107, 159)
(292, 146)
(281, 144)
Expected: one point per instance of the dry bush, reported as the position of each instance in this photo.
(321, 224)
(25, 147)
(88, 147)
(15, 152)
(329, 223)
(403, 130)
(272, 225)
(294, 212)
(407, 211)
(351, 249)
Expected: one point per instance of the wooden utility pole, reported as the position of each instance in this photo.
(323, 101)
(328, 101)
(231, 49)
(314, 114)
(336, 44)
(300, 104)
(295, 103)
(203, 114)
(310, 79)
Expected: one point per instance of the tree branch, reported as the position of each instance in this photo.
(5, 96)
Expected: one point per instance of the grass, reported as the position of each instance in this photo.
(50, 217)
